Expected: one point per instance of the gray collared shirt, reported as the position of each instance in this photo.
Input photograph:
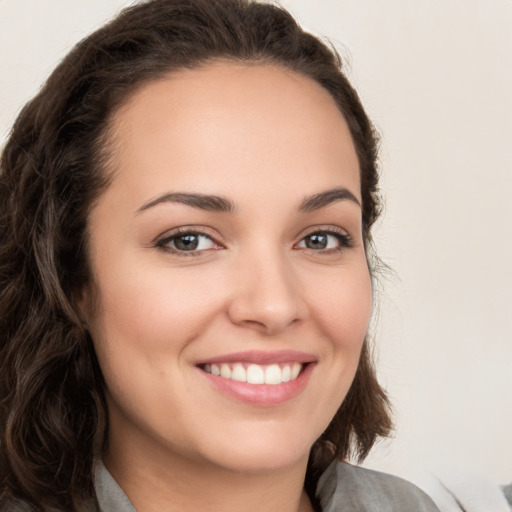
(111, 497)
(348, 488)
(342, 487)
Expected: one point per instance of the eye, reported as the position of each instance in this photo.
(189, 241)
(325, 241)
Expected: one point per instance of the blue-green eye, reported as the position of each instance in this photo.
(188, 242)
(325, 241)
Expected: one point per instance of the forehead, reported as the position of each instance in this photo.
(235, 122)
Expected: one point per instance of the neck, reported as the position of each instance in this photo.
(167, 483)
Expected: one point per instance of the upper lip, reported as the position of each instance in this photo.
(261, 357)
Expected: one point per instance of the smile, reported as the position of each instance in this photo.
(259, 378)
(272, 374)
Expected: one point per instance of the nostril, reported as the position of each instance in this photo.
(268, 319)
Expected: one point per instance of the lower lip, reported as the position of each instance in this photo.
(261, 394)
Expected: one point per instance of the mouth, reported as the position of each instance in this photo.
(259, 378)
(271, 374)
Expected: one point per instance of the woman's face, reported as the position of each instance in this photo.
(228, 242)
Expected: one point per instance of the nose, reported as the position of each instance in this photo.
(267, 296)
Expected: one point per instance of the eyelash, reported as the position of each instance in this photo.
(344, 239)
(180, 233)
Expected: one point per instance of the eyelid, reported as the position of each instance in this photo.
(163, 239)
(344, 237)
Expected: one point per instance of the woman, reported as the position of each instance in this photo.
(186, 274)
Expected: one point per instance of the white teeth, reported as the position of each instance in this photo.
(255, 374)
(239, 373)
(225, 371)
(273, 375)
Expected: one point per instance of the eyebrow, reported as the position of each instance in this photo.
(200, 201)
(221, 204)
(323, 199)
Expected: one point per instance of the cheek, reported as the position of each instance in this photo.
(142, 332)
(343, 309)
(152, 313)
(340, 305)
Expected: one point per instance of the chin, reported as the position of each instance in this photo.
(261, 453)
(263, 462)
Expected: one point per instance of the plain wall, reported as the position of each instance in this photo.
(436, 79)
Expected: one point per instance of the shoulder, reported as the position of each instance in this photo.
(347, 487)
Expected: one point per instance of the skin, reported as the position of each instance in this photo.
(264, 138)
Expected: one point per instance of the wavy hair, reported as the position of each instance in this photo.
(53, 413)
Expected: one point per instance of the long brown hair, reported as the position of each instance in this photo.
(53, 414)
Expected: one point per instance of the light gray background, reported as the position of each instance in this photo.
(436, 78)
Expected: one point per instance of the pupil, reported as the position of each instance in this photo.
(187, 242)
(316, 241)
